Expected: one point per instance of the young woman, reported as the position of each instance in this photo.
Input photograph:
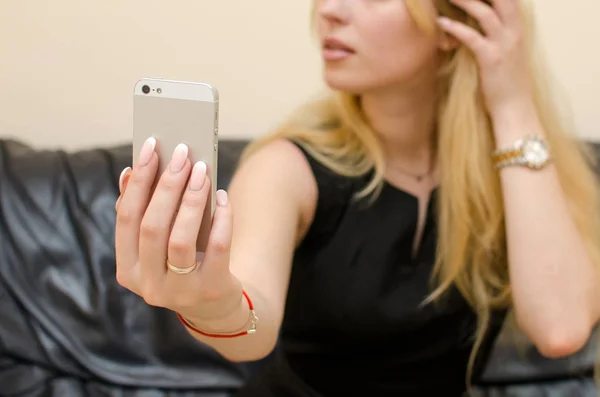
(377, 231)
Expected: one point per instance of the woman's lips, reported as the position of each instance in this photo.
(336, 50)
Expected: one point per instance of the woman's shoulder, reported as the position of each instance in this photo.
(279, 162)
(296, 159)
(291, 164)
(276, 172)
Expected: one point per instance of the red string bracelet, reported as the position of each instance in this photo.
(248, 329)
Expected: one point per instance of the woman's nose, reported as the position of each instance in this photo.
(337, 11)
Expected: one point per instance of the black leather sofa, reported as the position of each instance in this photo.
(67, 329)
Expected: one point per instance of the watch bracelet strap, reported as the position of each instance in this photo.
(516, 161)
(511, 156)
(513, 161)
(506, 155)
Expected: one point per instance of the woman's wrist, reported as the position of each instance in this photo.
(514, 122)
(231, 321)
(227, 314)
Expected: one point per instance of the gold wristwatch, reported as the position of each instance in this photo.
(532, 152)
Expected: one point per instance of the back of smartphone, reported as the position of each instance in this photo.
(175, 112)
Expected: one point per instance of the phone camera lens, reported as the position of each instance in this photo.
(145, 89)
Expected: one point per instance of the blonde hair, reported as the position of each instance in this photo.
(471, 253)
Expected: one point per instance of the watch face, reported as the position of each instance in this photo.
(535, 152)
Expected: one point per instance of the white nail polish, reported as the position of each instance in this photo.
(152, 142)
(121, 177)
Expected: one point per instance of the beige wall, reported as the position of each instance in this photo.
(67, 67)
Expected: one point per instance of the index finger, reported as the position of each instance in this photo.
(132, 206)
(508, 10)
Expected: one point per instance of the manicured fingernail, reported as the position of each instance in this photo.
(443, 21)
(125, 170)
(147, 151)
(198, 176)
(222, 198)
(180, 155)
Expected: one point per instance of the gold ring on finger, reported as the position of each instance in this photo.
(181, 270)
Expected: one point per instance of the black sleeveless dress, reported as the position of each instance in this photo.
(353, 322)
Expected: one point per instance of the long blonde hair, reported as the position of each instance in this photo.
(471, 253)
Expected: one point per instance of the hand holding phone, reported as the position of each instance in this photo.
(172, 235)
(174, 113)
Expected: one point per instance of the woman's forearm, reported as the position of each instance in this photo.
(554, 282)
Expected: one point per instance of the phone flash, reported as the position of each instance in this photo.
(159, 90)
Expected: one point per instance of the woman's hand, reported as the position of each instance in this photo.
(155, 227)
(500, 51)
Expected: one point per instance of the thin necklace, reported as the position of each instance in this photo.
(418, 177)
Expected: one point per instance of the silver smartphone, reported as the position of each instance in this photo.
(175, 112)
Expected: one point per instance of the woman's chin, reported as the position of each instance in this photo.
(345, 85)
(339, 80)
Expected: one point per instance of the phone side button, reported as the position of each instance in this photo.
(217, 121)
(216, 145)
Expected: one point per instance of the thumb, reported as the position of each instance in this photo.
(217, 256)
